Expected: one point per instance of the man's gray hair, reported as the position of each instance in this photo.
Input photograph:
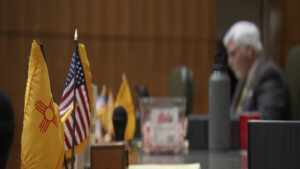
(244, 33)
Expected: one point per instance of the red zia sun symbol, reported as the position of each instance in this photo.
(48, 112)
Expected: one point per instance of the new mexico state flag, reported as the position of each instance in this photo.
(124, 99)
(42, 142)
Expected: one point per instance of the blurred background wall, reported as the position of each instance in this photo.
(144, 39)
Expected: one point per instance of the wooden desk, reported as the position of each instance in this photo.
(208, 160)
(109, 156)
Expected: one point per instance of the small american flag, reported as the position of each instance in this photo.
(83, 112)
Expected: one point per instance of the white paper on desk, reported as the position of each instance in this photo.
(165, 166)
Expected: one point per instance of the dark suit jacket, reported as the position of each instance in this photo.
(268, 92)
(7, 126)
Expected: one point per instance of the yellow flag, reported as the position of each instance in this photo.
(124, 99)
(42, 136)
(109, 113)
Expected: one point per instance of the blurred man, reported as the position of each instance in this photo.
(262, 87)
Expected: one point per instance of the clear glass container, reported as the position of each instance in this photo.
(163, 124)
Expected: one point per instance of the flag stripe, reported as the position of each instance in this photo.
(78, 135)
(83, 97)
(81, 106)
(77, 131)
(67, 144)
(68, 128)
(68, 89)
(82, 124)
(68, 94)
(62, 113)
(79, 128)
(67, 101)
(77, 139)
(87, 99)
(67, 106)
(70, 118)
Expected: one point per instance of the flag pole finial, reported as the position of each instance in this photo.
(104, 89)
(75, 35)
(123, 76)
(39, 38)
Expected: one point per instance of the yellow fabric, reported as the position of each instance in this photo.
(88, 78)
(124, 99)
(100, 111)
(107, 114)
(42, 142)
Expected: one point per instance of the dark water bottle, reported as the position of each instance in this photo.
(219, 106)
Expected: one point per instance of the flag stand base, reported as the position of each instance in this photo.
(109, 156)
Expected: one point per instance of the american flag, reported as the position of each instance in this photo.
(83, 112)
